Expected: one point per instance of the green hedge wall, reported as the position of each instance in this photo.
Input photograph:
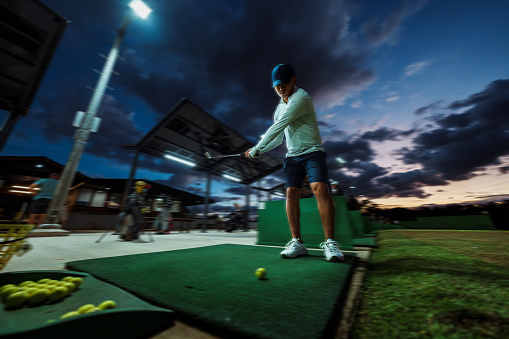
(459, 222)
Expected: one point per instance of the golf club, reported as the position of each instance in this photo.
(207, 154)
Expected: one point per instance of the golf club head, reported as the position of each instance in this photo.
(207, 154)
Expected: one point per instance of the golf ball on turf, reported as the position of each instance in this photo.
(261, 273)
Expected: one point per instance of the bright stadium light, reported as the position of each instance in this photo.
(140, 8)
(188, 163)
(231, 178)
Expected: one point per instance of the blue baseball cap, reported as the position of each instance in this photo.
(282, 74)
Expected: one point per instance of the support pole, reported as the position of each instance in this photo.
(86, 127)
(246, 226)
(206, 204)
(129, 182)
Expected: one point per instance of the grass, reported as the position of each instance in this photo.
(436, 284)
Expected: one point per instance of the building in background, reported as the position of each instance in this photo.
(91, 203)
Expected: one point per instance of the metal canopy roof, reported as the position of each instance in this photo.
(29, 35)
(188, 132)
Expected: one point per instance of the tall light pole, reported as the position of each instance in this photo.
(87, 121)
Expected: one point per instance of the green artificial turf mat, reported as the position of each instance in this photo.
(215, 287)
(139, 319)
(365, 242)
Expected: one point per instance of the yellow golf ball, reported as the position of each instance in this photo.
(16, 300)
(38, 297)
(69, 285)
(108, 304)
(76, 281)
(8, 291)
(92, 310)
(85, 308)
(25, 283)
(261, 273)
(70, 314)
(30, 290)
(6, 286)
(57, 294)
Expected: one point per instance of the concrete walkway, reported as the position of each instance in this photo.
(51, 253)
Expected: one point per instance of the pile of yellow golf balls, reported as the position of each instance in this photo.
(37, 293)
(89, 308)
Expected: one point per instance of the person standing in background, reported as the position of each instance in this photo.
(41, 201)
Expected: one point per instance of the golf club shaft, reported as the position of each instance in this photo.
(226, 156)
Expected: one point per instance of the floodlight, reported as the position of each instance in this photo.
(231, 178)
(140, 8)
(188, 163)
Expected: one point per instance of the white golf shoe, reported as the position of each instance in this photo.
(332, 252)
(294, 249)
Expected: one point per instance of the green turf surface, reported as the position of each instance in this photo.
(215, 287)
(365, 242)
(436, 284)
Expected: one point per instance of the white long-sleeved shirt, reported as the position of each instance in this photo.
(296, 120)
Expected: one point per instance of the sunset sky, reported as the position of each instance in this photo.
(414, 95)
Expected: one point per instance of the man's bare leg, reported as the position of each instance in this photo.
(33, 219)
(41, 219)
(293, 210)
(325, 207)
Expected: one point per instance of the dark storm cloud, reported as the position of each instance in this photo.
(428, 108)
(462, 143)
(365, 182)
(359, 171)
(385, 133)
(225, 199)
(237, 189)
(224, 65)
(116, 129)
(456, 145)
(57, 110)
(379, 31)
(409, 184)
(322, 123)
(349, 150)
(179, 175)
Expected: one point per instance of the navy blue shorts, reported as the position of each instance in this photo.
(311, 164)
(39, 206)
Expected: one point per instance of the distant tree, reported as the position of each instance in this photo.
(369, 207)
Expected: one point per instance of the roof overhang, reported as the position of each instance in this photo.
(188, 132)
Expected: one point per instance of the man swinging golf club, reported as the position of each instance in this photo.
(295, 119)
